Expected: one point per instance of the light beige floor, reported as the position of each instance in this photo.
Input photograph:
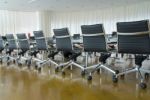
(20, 84)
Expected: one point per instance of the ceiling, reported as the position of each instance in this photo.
(63, 5)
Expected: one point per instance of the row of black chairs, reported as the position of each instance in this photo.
(133, 38)
(22, 47)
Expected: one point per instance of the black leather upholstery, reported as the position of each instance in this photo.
(21, 36)
(63, 43)
(1, 44)
(38, 34)
(76, 36)
(23, 42)
(133, 43)
(11, 42)
(92, 29)
(131, 27)
(40, 40)
(61, 32)
(10, 36)
(94, 43)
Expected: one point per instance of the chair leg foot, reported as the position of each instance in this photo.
(114, 79)
(117, 71)
(89, 78)
(28, 62)
(63, 73)
(83, 73)
(146, 75)
(56, 69)
(14, 61)
(8, 63)
(122, 76)
(143, 85)
(19, 64)
(36, 67)
(28, 65)
(39, 69)
(1, 61)
(98, 71)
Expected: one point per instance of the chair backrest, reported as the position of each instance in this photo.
(1, 43)
(40, 40)
(63, 39)
(11, 41)
(50, 40)
(133, 37)
(76, 36)
(94, 38)
(23, 41)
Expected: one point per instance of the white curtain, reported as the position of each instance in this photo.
(18, 22)
(44, 22)
(109, 17)
(27, 22)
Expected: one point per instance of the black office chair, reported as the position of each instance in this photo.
(40, 40)
(76, 36)
(41, 45)
(1, 49)
(64, 44)
(24, 47)
(134, 38)
(11, 46)
(94, 41)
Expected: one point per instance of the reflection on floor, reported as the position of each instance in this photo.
(23, 84)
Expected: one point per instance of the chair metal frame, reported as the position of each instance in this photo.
(71, 61)
(23, 51)
(41, 62)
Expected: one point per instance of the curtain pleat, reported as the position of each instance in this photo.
(17, 22)
(109, 17)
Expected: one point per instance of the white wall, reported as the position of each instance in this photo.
(108, 17)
